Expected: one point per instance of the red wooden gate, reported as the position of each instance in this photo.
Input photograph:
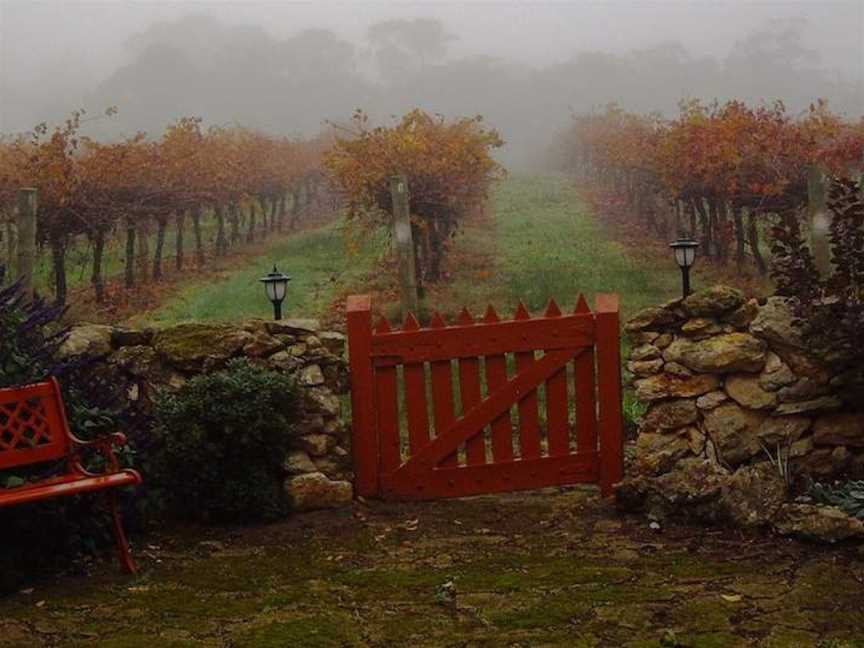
(414, 437)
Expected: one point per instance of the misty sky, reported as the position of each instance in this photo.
(56, 56)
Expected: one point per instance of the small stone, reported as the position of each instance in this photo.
(776, 322)
(320, 400)
(664, 340)
(284, 360)
(753, 495)
(316, 445)
(741, 317)
(665, 386)
(312, 341)
(316, 491)
(87, 340)
(675, 369)
(801, 447)
(645, 352)
(658, 453)
(802, 389)
(311, 375)
(745, 390)
(654, 526)
(262, 345)
(700, 327)
(298, 462)
(716, 300)
(333, 341)
(711, 400)
(776, 373)
(643, 337)
(812, 522)
(645, 367)
(804, 364)
(783, 430)
(719, 354)
(840, 459)
(670, 414)
(839, 429)
(733, 430)
(817, 405)
(650, 318)
(122, 337)
(292, 326)
(297, 350)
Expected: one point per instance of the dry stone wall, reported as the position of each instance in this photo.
(733, 397)
(318, 469)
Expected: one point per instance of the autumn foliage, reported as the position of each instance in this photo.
(448, 165)
(136, 189)
(715, 171)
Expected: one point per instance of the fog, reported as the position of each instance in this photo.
(289, 67)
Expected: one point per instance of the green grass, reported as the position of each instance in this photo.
(317, 260)
(547, 244)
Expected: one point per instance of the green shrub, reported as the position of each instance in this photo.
(220, 444)
(848, 496)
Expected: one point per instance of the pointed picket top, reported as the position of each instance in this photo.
(582, 305)
(437, 321)
(552, 309)
(522, 312)
(382, 326)
(410, 323)
(491, 316)
(465, 317)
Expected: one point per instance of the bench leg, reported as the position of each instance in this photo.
(123, 552)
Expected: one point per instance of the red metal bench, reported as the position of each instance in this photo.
(34, 429)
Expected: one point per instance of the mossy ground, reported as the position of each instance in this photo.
(539, 569)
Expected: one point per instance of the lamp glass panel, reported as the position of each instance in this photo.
(680, 257)
(270, 289)
(280, 288)
(689, 256)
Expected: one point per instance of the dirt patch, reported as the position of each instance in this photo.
(551, 568)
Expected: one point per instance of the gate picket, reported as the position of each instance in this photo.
(429, 468)
(415, 398)
(558, 425)
(496, 377)
(529, 419)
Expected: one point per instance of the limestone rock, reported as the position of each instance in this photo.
(733, 430)
(752, 495)
(695, 484)
(122, 337)
(700, 327)
(311, 376)
(671, 414)
(720, 354)
(776, 373)
(664, 340)
(298, 462)
(321, 401)
(802, 389)
(89, 339)
(675, 369)
(643, 337)
(783, 430)
(645, 367)
(650, 318)
(292, 326)
(839, 429)
(262, 344)
(645, 352)
(742, 316)
(777, 322)
(192, 345)
(746, 390)
(801, 447)
(313, 342)
(315, 491)
(663, 386)
(284, 360)
(825, 403)
(818, 462)
(713, 301)
(711, 400)
(658, 453)
(141, 361)
(333, 341)
(823, 523)
(316, 445)
(804, 364)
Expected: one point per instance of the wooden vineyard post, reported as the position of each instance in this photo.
(817, 215)
(364, 440)
(404, 244)
(611, 419)
(26, 226)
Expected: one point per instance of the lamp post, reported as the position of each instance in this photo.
(275, 287)
(685, 255)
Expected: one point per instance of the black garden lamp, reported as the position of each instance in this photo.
(275, 286)
(685, 255)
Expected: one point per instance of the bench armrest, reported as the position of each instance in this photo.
(104, 445)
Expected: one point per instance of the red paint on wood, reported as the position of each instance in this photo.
(442, 394)
(557, 406)
(611, 418)
(387, 410)
(469, 389)
(364, 436)
(496, 377)
(415, 398)
(529, 418)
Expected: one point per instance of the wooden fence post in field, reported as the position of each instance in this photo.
(404, 244)
(817, 217)
(26, 226)
(611, 415)
(364, 440)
